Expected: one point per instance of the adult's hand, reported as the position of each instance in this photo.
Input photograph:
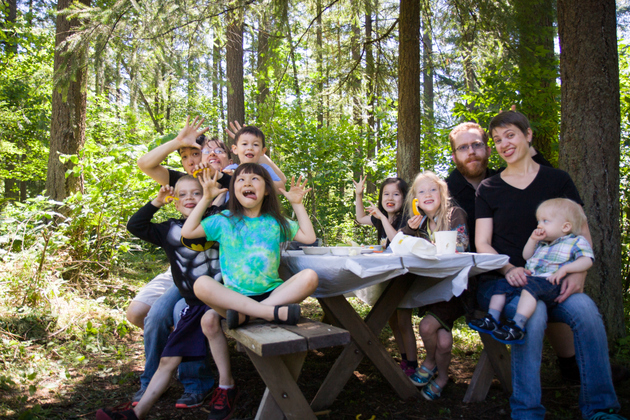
(573, 283)
(517, 276)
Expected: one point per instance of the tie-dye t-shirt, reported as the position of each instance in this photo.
(249, 250)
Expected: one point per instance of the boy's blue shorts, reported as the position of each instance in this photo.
(539, 287)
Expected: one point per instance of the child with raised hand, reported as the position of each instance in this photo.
(250, 236)
(388, 216)
(554, 249)
(190, 259)
(249, 146)
(430, 209)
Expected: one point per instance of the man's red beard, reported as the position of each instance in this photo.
(477, 169)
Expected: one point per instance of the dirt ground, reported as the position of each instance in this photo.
(367, 396)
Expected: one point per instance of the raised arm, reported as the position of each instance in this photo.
(150, 163)
(192, 227)
(283, 179)
(359, 211)
(306, 233)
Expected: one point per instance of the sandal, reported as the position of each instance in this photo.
(423, 375)
(231, 318)
(432, 392)
(293, 314)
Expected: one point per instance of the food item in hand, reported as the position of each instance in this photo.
(414, 205)
(196, 172)
(170, 198)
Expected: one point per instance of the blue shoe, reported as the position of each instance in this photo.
(423, 375)
(431, 392)
(486, 325)
(607, 415)
(510, 333)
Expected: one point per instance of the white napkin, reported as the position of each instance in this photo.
(410, 245)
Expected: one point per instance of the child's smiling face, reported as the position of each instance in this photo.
(392, 200)
(249, 148)
(250, 190)
(428, 194)
(188, 192)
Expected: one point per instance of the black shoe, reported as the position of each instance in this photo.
(486, 325)
(222, 403)
(510, 333)
(231, 318)
(121, 412)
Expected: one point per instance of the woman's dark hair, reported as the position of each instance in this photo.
(506, 118)
(220, 144)
(402, 186)
(201, 140)
(270, 204)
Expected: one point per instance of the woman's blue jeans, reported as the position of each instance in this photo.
(196, 376)
(591, 352)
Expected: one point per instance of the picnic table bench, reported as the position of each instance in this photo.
(278, 353)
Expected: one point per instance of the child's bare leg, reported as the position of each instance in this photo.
(497, 302)
(136, 312)
(295, 290)
(211, 326)
(428, 328)
(220, 298)
(157, 386)
(407, 334)
(443, 355)
(526, 304)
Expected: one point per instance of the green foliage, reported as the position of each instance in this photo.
(624, 173)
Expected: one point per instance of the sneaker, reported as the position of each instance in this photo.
(423, 375)
(607, 415)
(486, 325)
(222, 403)
(191, 400)
(510, 333)
(121, 412)
(137, 397)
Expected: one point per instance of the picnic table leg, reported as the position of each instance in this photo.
(365, 342)
(500, 360)
(282, 398)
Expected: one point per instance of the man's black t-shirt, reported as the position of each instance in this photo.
(514, 210)
(173, 177)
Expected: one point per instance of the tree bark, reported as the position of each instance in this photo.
(590, 139)
(408, 150)
(67, 127)
(234, 61)
(262, 67)
(427, 75)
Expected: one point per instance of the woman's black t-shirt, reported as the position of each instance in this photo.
(514, 210)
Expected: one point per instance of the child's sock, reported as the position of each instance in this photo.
(495, 314)
(520, 321)
(226, 386)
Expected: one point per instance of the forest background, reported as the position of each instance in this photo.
(341, 88)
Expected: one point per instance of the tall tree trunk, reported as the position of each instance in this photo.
(370, 75)
(234, 59)
(590, 139)
(320, 67)
(11, 48)
(262, 67)
(538, 70)
(408, 150)
(355, 88)
(427, 74)
(67, 127)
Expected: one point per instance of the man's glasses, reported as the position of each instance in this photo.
(478, 145)
(217, 151)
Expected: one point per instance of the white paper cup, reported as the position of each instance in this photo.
(446, 241)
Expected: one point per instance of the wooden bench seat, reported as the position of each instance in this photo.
(278, 353)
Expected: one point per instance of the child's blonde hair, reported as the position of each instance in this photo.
(571, 211)
(185, 178)
(442, 215)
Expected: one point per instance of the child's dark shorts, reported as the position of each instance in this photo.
(261, 297)
(539, 287)
(446, 313)
(187, 339)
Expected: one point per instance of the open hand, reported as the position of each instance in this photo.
(297, 191)
(360, 185)
(210, 184)
(188, 135)
(573, 283)
(374, 211)
(234, 127)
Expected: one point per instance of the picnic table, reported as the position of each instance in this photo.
(385, 281)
